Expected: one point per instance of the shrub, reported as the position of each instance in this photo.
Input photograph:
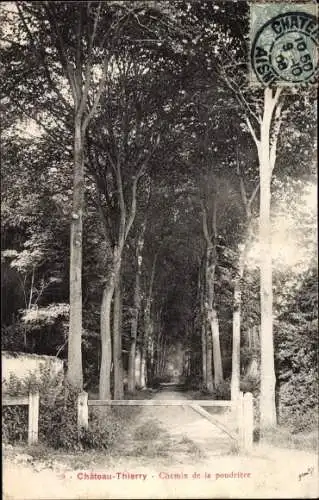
(15, 418)
(100, 435)
(222, 391)
(57, 416)
(14, 423)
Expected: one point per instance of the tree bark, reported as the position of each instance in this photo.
(209, 361)
(136, 312)
(213, 343)
(131, 361)
(267, 365)
(117, 342)
(217, 356)
(235, 376)
(106, 344)
(266, 155)
(203, 319)
(148, 326)
(74, 374)
(137, 365)
(142, 381)
(204, 353)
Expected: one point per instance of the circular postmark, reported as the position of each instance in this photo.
(285, 50)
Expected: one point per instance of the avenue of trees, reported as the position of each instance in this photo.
(144, 183)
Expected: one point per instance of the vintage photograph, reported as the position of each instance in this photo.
(159, 283)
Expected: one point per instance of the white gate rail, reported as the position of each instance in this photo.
(242, 412)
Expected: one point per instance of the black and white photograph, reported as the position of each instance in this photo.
(159, 258)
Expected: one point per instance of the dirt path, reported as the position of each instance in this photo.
(183, 422)
(173, 471)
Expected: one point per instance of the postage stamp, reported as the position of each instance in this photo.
(284, 40)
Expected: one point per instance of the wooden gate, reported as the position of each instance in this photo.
(32, 401)
(242, 413)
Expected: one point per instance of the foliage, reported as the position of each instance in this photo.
(222, 391)
(14, 424)
(57, 416)
(296, 356)
(47, 314)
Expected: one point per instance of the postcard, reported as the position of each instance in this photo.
(159, 249)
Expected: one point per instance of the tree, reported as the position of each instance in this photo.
(120, 148)
(70, 58)
(247, 202)
(33, 236)
(136, 307)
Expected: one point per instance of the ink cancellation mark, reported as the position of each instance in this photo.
(285, 50)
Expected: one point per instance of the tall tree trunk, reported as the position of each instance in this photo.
(268, 417)
(137, 365)
(106, 344)
(203, 320)
(204, 353)
(148, 324)
(142, 381)
(132, 354)
(217, 355)
(209, 361)
(75, 373)
(235, 375)
(136, 311)
(117, 342)
(252, 341)
(267, 365)
(213, 343)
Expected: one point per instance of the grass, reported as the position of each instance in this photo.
(284, 438)
(148, 449)
(149, 440)
(191, 447)
(148, 430)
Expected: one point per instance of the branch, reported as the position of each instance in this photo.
(241, 182)
(252, 131)
(88, 67)
(279, 118)
(239, 95)
(43, 287)
(61, 347)
(97, 204)
(31, 289)
(121, 203)
(205, 225)
(61, 51)
(133, 204)
(277, 95)
(253, 194)
(29, 115)
(97, 97)
(78, 56)
(102, 189)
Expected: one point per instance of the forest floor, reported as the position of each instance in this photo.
(169, 452)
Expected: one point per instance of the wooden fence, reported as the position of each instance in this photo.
(32, 401)
(242, 412)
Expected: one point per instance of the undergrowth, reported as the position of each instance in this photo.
(57, 416)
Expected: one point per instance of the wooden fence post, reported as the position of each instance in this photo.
(83, 411)
(33, 419)
(248, 421)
